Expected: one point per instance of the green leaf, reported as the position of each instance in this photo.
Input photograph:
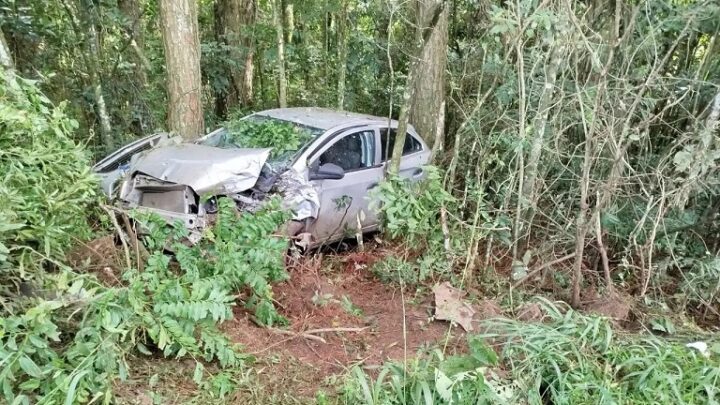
(70, 397)
(29, 367)
(482, 352)
(443, 385)
(198, 374)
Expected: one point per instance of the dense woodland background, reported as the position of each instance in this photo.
(577, 142)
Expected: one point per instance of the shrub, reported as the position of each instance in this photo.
(68, 341)
(71, 346)
(45, 180)
(412, 210)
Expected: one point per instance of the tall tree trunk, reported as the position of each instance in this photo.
(6, 60)
(421, 40)
(131, 11)
(280, 37)
(289, 19)
(425, 113)
(342, 34)
(90, 58)
(233, 21)
(182, 58)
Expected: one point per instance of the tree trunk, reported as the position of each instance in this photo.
(131, 11)
(280, 37)
(6, 60)
(421, 40)
(425, 113)
(289, 18)
(527, 198)
(233, 21)
(182, 58)
(342, 53)
(90, 58)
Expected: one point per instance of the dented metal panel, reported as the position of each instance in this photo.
(206, 169)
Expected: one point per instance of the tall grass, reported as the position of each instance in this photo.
(569, 358)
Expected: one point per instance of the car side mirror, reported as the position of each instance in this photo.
(328, 171)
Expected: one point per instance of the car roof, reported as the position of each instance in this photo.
(323, 118)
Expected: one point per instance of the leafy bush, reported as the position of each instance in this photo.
(412, 210)
(241, 250)
(284, 138)
(71, 346)
(701, 283)
(45, 180)
(432, 265)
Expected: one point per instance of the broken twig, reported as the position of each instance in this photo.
(297, 334)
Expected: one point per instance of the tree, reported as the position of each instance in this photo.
(342, 53)
(409, 98)
(91, 56)
(280, 38)
(234, 20)
(5, 57)
(132, 12)
(427, 110)
(182, 59)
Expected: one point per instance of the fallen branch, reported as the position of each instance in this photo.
(123, 238)
(311, 334)
(326, 330)
(297, 335)
(541, 268)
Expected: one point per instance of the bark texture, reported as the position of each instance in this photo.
(409, 96)
(425, 112)
(342, 54)
(90, 56)
(182, 58)
(280, 38)
(132, 13)
(6, 60)
(234, 19)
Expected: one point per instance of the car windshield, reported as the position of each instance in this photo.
(286, 138)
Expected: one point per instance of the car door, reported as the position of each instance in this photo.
(344, 202)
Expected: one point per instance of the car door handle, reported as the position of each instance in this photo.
(417, 173)
(372, 186)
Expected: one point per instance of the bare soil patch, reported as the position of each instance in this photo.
(347, 295)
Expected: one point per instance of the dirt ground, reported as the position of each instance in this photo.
(336, 292)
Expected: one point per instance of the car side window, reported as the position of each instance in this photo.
(351, 152)
(412, 145)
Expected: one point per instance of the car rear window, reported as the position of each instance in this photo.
(412, 145)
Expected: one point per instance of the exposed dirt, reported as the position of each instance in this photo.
(101, 256)
(615, 306)
(348, 296)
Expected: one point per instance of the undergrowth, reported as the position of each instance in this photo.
(70, 346)
(569, 358)
(64, 335)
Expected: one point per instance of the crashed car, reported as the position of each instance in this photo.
(325, 181)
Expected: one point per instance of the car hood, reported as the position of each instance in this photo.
(205, 169)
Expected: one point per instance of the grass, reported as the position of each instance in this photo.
(570, 358)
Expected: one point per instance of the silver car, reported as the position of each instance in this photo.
(325, 181)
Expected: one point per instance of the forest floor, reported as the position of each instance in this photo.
(365, 322)
(368, 323)
(340, 315)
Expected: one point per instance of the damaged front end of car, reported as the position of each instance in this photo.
(182, 182)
